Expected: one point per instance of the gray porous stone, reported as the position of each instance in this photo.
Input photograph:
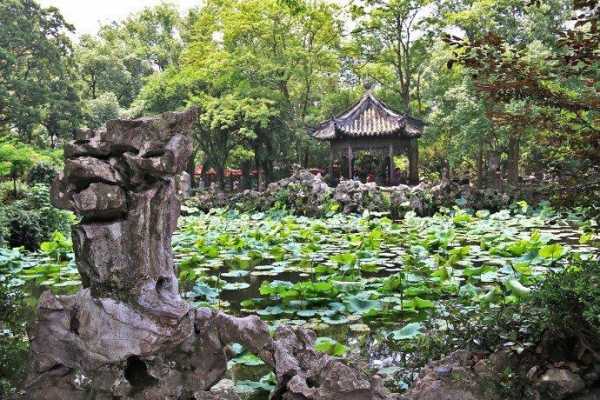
(558, 384)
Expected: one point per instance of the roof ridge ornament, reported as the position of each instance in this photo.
(368, 85)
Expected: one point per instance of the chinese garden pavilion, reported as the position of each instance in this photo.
(371, 126)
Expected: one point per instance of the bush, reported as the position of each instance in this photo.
(559, 322)
(29, 221)
(569, 302)
(565, 306)
(41, 173)
(13, 340)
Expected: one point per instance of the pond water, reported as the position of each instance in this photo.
(366, 284)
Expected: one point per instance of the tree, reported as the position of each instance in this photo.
(62, 114)
(15, 159)
(458, 134)
(104, 67)
(265, 49)
(537, 80)
(152, 35)
(386, 43)
(35, 56)
(124, 54)
(227, 123)
(169, 90)
(98, 111)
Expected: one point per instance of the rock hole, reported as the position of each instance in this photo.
(312, 383)
(136, 373)
(74, 321)
(123, 148)
(154, 153)
(163, 284)
(85, 279)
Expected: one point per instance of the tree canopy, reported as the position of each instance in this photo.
(506, 88)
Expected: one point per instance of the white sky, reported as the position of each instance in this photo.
(88, 15)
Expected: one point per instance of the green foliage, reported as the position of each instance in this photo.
(32, 219)
(13, 339)
(35, 57)
(298, 62)
(227, 123)
(106, 69)
(41, 173)
(15, 159)
(301, 290)
(561, 311)
(114, 64)
(409, 331)
(152, 35)
(247, 359)
(569, 300)
(393, 61)
(340, 269)
(101, 109)
(167, 91)
(259, 51)
(58, 247)
(407, 282)
(544, 78)
(552, 251)
(330, 346)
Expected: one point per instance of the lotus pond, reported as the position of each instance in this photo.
(365, 283)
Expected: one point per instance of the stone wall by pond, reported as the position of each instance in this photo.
(127, 334)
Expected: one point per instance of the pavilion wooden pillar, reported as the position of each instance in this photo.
(413, 162)
(331, 161)
(391, 172)
(350, 162)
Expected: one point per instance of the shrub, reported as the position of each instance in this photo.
(560, 318)
(29, 221)
(13, 340)
(569, 302)
(41, 173)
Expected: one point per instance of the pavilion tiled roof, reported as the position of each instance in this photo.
(369, 118)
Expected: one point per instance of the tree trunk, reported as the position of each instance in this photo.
(494, 175)
(245, 181)
(306, 157)
(191, 167)
(257, 166)
(268, 168)
(221, 176)
(446, 170)
(514, 155)
(14, 179)
(204, 175)
(268, 163)
(480, 165)
(420, 104)
(406, 101)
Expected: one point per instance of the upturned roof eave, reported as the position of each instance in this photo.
(340, 134)
(337, 126)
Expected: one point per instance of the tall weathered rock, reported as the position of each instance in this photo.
(127, 334)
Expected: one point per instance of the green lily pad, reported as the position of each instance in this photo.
(409, 331)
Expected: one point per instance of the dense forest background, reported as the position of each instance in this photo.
(507, 88)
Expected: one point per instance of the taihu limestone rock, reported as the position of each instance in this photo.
(127, 334)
